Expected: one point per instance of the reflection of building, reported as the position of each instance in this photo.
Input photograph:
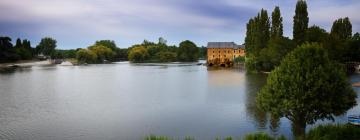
(223, 53)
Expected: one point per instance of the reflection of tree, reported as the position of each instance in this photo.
(274, 124)
(254, 82)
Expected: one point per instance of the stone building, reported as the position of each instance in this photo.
(223, 53)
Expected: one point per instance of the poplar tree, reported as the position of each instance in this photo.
(301, 21)
(342, 28)
(276, 25)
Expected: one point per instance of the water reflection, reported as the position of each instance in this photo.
(254, 82)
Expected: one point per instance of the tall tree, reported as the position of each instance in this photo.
(18, 43)
(342, 28)
(46, 46)
(276, 23)
(257, 37)
(301, 21)
(306, 87)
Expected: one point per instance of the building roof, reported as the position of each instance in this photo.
(224, 45)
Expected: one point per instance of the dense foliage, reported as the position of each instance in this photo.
(188, 51)
(264, 46)
(8, 52)
(46, 46)
(276, 24)
(334, 132)
(301, 21)
(161, 52)
(138, 54)
(86, 56)
(307, 86)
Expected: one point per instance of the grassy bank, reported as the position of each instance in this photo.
(322, 132)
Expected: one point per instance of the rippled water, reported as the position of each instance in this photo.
(131, 101)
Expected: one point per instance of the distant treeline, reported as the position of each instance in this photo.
(101, 51)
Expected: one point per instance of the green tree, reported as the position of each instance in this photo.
(166, 56)
(271, 56)
(138, 54)
(316, 34)
(276, 25)
(18, 43)
(7, 51)
(342, 28)
(257, 37)
(307, 86)
(86, 56)
(107, 43)
(188, 51)
(46, 46)
(103, 53)
(301, 21)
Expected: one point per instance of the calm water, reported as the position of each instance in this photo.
(126, 101)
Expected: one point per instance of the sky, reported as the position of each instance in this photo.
(79, 23)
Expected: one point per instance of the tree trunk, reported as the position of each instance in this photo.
(298, 128)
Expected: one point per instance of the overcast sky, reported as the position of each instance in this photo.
(79, 23)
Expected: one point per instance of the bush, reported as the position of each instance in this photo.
(166, 56)
(138, 54)
(334, 132)
(86, 56)
(261, 136)
(102, 52)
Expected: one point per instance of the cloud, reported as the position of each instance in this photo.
(79, 23)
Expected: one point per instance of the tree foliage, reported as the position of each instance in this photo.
(271, 56)
(301, 21)
(46, 46)
(138, 54)
(86, 56)
(307, 86)
(276, 24)
(103, 53)
(316, 34)
(188, 51)
(342, 28)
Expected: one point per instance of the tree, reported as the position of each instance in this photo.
(103, 53)
(106, 43)
(46, 46)
(342, 28)
(301, 21)
(86, 56)
(18, 43)
(276, 25)
(188, 51)
(257, 37)
(306, 87)
(271, 56)
(7, 51)
(166, 56)
(316, 34)
(138, 54)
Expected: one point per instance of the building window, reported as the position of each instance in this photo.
(228, 51)
(224, 55)
(219, 55)
(213, 51)
(219, 51)
(213, 55)
(234, 51)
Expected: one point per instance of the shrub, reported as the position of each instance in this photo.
(334, 132)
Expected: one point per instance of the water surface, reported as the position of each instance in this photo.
(131, 101)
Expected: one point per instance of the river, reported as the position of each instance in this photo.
(124, 101)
